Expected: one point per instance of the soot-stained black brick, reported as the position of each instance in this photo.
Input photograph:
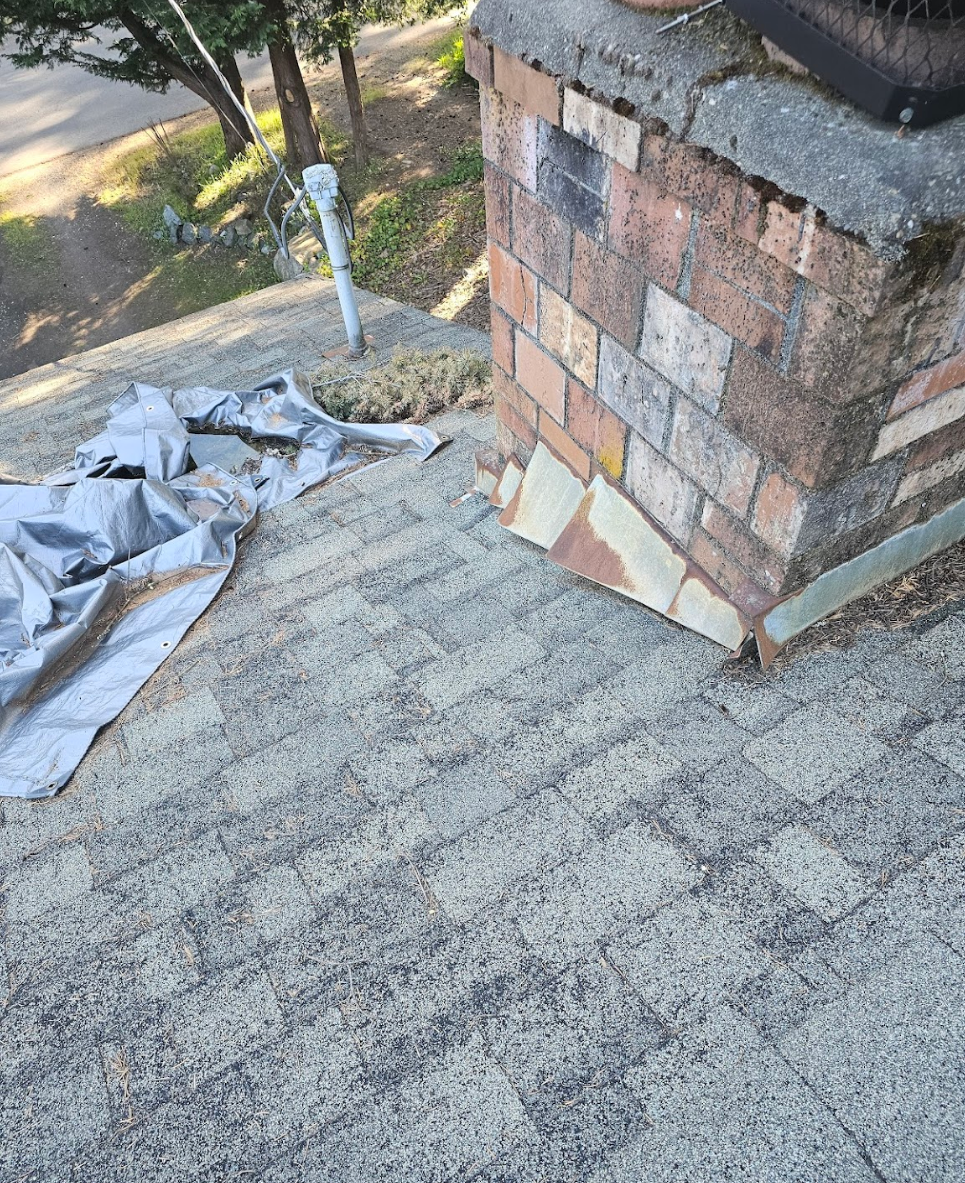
(571, 156)
(579, 206)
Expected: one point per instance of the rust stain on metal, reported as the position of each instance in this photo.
(546, 499)
(650, 569)
(488, 470)
(465, 497)
(580, 548)
(703, 607)
(767, 648)
(792, 614)
(613, 541)
(508, 517)
(508, 483)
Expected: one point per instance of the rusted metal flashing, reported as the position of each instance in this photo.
(599, 532)
(546, 499)
(488, 470)
(507, 484)
(612, 541)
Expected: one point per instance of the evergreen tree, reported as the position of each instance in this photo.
(144, 43)
(324, 28)
(141, 43)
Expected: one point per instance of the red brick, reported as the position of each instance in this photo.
(881, 358)
(727, 573)
(779, 514)
(509, 137)
(515, 411)
(513, 287)
(940, 327)
(608, 288)
(542, 240)
(498, 196)
(749, 552)
(942, 443)
(568, 335)
(828, 258)
(816, 441)
(947, 375)
(747, 268)
(510, 393)
(535, 91)
(504, 347)
(693, 174)
(826, 347)
(648, 225)
(738, 315)
(597, 430)
(510, 444)
(540, 376)
(479, 59)
(749, 214)
(564, 445)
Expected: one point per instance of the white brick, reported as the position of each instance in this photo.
(687, 349)
(568, 335)
(632, 390)
(919, 421)
(663, 491)
(718, 462)
(926, 478)
(602, 128)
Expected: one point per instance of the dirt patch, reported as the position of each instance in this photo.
(84, 282)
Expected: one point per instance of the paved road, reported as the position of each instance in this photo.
(45, 114)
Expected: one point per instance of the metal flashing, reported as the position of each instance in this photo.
(546, 499)
(507, 484)
(830, 591)
(612, 541)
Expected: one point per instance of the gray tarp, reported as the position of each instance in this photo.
(104, 567)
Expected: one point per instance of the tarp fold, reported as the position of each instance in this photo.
(105, 566)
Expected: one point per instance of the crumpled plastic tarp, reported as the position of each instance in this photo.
(104, 567)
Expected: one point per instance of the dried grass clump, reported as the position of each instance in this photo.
(413, 385)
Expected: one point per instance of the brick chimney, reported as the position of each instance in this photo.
(727, 292)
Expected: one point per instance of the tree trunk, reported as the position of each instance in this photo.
(302, 141)
(201, 81)
(356, 112)
(238, 136)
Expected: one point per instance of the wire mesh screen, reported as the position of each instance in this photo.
(914, 44)
(902, 59)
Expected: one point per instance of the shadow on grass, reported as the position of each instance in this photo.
(71, 283)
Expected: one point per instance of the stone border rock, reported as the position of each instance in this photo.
(238, 233)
